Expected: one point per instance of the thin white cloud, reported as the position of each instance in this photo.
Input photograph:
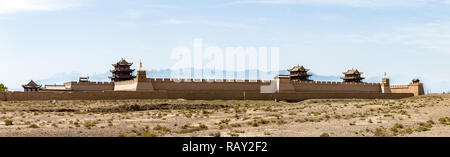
(161, 6)
(17, 6)
(232, 25)
(131, 25)
(259, 20)
(350, 3)
(131, 14)
(222, 24)
(175, 22)
(434, 36)
(150, 9)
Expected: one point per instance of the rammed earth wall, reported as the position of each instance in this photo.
(204, 85)
(219, 95)
(2, 96)
(336, 87)
(90, 86)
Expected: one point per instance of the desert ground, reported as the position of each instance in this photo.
(424, 116)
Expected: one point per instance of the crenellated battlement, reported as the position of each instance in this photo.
(416, 88)
(282, 84)
(170, 80)
(399, 86)
(91, 83)
(286, 86)
(89, 86)
(335, 83)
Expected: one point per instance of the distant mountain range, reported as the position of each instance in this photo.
(167, 73)
(60, 78)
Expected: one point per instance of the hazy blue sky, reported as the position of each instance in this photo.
(406, 38)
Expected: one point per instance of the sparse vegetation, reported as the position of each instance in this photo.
(324, 135)
(215, 134)
(445, 120)
(189, 129)
(33, 126)
(8, 122)
(3, 88)
(152, 118)
(396, 128)
(425, 126)
(161, 128)
(89, 124)
(380, 132)
(233, 134)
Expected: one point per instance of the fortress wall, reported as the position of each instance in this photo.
(419, 89)
(91, 86)
(282, 96)
(416, 89)
(110, 95)
(145, 86)
(217, 85)
(129, 85)
(220, 95)
(2, 96)
(324, 86)
(400, 89)
(202, 80)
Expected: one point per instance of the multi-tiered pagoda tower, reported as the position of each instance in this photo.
(122, 71)
(352, 76)
(31, 87)
(299, 73)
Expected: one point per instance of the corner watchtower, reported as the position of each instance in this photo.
(385, 85)
(299, 73)
(122, 71)
(141, 75)
(416, 87)
(352, 75)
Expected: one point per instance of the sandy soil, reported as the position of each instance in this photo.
(417, 116)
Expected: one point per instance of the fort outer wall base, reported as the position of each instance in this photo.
(2, 96)
(197, 95)
(283, 96)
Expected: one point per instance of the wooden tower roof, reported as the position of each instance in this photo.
(353, 72)
(31, 84)
(298, 68)
(123, 62)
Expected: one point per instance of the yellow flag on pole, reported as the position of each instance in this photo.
(140, 65)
